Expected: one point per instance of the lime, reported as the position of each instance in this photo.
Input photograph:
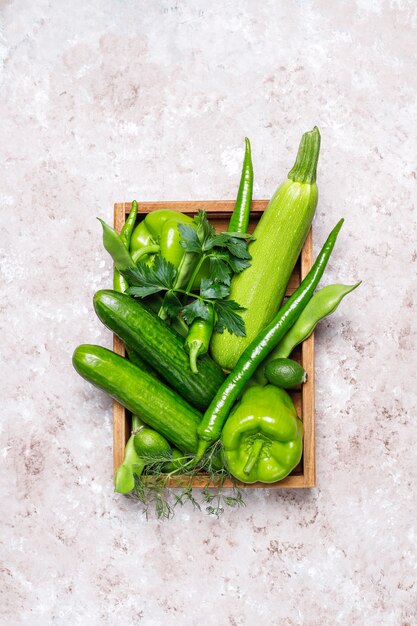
(285, 373)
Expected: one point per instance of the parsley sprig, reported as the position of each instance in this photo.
(226, 253)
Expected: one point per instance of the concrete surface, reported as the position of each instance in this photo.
(106, 100)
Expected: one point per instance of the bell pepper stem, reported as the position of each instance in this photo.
(138, 254)
(253, 457)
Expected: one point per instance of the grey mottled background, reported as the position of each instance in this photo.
(105, 100)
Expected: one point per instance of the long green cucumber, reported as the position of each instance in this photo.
(160, 346)
(279, 237)
(159, 406)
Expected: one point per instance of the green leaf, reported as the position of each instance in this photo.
(213, 291)
(197, 308)
(189, 239)
(164, 271)
(171, 304)
(241, 236)
(220, 269)
(236, 246)
(228, 318)
(143, 292)
(210, 243)
(145, 280)
(238, 265)
(203, 226)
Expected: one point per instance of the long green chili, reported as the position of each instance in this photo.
(240, 217)
(210, 427)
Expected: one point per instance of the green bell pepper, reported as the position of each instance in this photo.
(158, 233)
(263, 437)
(160, 228)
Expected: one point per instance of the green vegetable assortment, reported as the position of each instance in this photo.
(212, 423)
(208, 340)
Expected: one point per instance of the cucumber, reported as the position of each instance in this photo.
(159, 406)
(160, 346)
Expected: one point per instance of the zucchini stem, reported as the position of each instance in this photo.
(305, 166)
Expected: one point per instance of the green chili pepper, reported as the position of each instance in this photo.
(129, 225)
(323, 303)
(198, 339)
(119, 282)
(240, 217)
(263, 437)
(211, 425)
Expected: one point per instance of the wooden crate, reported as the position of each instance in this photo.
(219, 211)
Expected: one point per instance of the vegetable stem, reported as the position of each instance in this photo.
(305, 166)
(253, 457)
(195, 272)
(138, 254)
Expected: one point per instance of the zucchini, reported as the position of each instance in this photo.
(160, 346)
(279, 237)
(159, 406)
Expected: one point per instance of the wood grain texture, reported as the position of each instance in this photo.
(304, 475)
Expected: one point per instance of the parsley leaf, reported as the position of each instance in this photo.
(147, 280)
(238, 265)
(197, 308)
(204, 228)
(189, 239)
(212, 291)
(220, 269)
(237, 247)
(242, 236)
(228, 318)
(171, 304)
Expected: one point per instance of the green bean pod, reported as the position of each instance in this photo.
(124, 478)
(115, 246)
(210, 427)
(322, 304)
